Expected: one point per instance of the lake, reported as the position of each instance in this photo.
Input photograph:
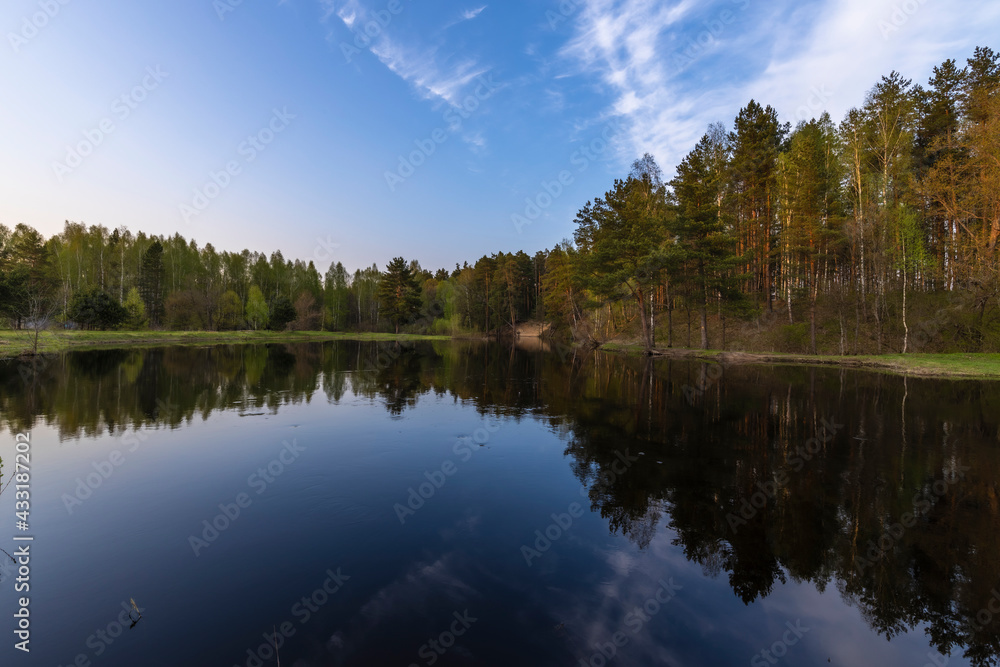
(362, 503)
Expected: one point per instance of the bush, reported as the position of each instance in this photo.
(230, 312)
(135, 310)
(282, 313)
(184, 311)
(96, 309)
(307, 315)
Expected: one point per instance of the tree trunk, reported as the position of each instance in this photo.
(812, 319)
(689, 326)
(652, 323)
(704, 326)
(906, 327)
(670, 321)
(644, 322)
(722, 321)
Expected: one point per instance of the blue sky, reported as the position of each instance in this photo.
(141, 113)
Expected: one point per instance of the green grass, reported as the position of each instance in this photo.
(16, 343)
(953, 365)
(956, 365)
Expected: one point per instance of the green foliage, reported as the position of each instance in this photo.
(336, 300)
(135, 310)
(257, 313)
(621, 240)
(855, 225)
(398, 293)
(230, 316)
(307, 313)
(151, 282)
(282, 313)
(185, 311)
(96, 309)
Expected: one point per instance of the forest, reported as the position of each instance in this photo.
(875, 235)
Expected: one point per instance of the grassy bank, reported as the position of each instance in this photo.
(16, 343)
(955, 365)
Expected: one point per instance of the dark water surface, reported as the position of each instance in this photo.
(472, 504)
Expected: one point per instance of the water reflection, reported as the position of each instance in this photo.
(882, 488)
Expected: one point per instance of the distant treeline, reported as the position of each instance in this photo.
(877, 234)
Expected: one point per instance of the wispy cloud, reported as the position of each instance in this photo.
(623, 41)
(671, 69)
(432, 74)
(465, 15)
(419, 66)
(470, 14)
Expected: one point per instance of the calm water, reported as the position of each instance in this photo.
(460, 504)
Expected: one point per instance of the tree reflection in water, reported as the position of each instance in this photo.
(699, 457)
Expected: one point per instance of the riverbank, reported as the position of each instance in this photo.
(18, 343)
(953, 365)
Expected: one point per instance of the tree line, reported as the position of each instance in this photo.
(873, 234)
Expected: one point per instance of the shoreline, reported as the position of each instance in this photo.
(18, 344)
(951, 365)
(954, 365)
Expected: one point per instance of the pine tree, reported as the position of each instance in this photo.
(621, 238)
(811, 209)
(151, 285)
(135, 309)
(398, 293)
(755, 145)
(707, 249)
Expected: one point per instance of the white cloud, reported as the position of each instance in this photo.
(470, 14)
(671, 69)
(418, 66)
(433, 75)
(465, 15)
